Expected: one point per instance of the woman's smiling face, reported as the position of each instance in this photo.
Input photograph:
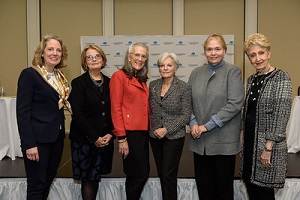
(52, 53)
(138, 58)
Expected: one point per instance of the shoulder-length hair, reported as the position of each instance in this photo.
(83, 56)
(38, 58)
(142, 74)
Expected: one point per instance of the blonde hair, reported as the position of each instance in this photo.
(257, 39)
(38, 59)
(219, 38)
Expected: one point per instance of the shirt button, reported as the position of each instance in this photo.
(103, 113)
(103, 102)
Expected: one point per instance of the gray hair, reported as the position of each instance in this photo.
(165, 55)
(141, 75)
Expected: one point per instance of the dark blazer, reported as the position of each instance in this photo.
(173, 111)
(91, 116)
(38, 116)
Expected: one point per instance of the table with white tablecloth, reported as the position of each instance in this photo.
(293, 127)
(9, 135)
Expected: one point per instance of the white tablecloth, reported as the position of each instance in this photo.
(114, 188)
(293, 127)
(9, 135)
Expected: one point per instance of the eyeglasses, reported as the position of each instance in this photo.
(137, 56)
(91, 57)
(210, 50)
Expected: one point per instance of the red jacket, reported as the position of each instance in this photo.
(129, 103)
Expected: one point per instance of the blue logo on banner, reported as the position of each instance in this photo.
(231, 42)
(180, 43)
(154, 65)
(118, 54)
(104, 44)
(129, 42)
(155, 43)
(193, 54)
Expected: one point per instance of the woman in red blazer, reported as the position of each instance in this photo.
(130, 115)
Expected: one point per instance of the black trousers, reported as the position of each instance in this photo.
(167, 154)
(214, 176)
(136, 165)
(41, 174)
(256, 192)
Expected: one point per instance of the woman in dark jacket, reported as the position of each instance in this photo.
(91, 126)
(171, 106)
(41, 97)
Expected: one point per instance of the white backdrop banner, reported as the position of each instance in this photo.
(188, 48)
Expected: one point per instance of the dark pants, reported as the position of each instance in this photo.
(256, 192)
(167, 154)
(41, 174)
(214, 176)
(136, 165)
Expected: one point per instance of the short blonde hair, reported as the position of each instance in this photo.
(257, 39)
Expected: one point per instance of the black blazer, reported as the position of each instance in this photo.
(91, 116)
(38, 116)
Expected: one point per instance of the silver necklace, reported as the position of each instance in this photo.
(261, 79)
(96, 83)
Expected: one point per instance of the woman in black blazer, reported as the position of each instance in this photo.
(171, 108)
(91, 126)
(42, 93)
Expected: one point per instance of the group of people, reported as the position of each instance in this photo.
(224, 120)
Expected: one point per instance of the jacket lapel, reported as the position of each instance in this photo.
(141, 85)
(172, 87)
(157, 89)
(53, 90)
(91, 85)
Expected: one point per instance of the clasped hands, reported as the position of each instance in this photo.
(160, 133)
(196, 131)
(103, 141)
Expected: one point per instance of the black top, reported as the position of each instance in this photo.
(91, 116)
